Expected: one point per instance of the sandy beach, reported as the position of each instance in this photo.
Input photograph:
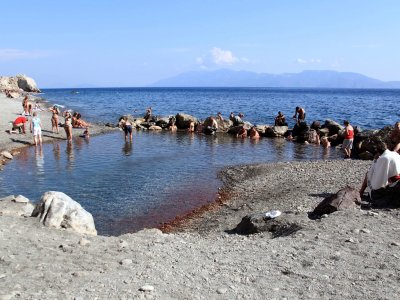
(347, 255)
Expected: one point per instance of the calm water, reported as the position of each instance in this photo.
(127, 187)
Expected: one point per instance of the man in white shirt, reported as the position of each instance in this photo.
(383, 177)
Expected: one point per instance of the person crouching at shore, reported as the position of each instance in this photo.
(68, 125)
(19, 123)
(36, 128)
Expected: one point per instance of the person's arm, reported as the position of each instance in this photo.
(295, 114)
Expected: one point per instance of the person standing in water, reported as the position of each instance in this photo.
(68, 125)
(36, 128)
(348, 138)
(127, 127)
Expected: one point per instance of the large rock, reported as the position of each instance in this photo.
(183, 120)
(276, 131)
(346, 198)
(333, 127)
(58, 210)
(27, 84)
(284, 225)
(17, 83)
(9, 84)
(223, 125)
(369, 141)
(16, 206)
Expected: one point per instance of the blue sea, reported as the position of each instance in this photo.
(161, 174)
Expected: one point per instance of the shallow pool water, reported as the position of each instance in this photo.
(131, 186)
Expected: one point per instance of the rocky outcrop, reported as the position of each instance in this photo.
(58, 210)
(276, 131)
(346, 198)
(18, 83)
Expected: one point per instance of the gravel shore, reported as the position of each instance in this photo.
(347, 255)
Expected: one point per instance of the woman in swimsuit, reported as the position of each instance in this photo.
(68, 125)
(54, 119)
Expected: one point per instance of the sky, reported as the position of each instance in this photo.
(135, 43)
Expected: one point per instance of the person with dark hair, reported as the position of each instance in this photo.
(280, 119)
(348, 138)
(148, 114)
(300, 114)
(383, 177)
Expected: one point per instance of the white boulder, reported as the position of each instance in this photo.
(58, 210)
(7, 154)
(27, 84)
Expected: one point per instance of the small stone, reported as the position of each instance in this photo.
(222, 291)
(146, 288)
(122, 244)
(365, 230)
(392, 243)
(2, 276)
(126, 262)
(350, 240)
(324, 216)
(356, 231)
(7, 154)
(372, 214)
(84, 242)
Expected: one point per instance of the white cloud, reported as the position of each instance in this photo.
(219, 57)
(308, 61)
(223, 57)
(16, 54)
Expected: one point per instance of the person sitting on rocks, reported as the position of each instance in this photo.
(148, 115)
(395, 137)
(19, 124)
(237, 120)
(280, 119)
(253, 134)
(77, 122)
(383, 177)
(219, 116)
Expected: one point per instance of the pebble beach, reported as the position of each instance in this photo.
(345, 255)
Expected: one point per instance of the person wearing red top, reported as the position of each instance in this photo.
(348, 139)
(19, 123)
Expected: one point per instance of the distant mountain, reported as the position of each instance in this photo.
(305, 79)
